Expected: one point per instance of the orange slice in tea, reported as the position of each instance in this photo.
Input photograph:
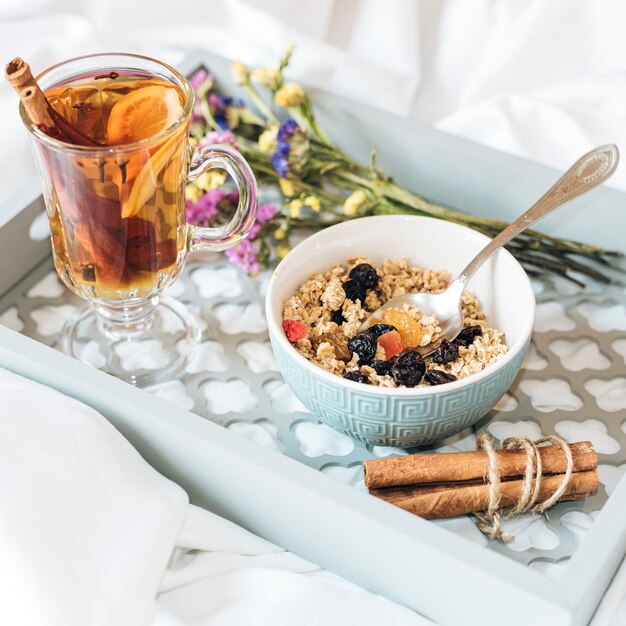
(410, 330)
(143, 113)
(145, 184)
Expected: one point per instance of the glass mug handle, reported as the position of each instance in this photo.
(218, 156)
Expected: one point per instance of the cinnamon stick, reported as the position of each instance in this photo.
(37, 107)
(467, 466)
(442, 501)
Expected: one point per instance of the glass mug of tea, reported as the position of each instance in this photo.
(117, 209)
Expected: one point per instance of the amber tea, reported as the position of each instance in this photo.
(111, 139)
(118, 221)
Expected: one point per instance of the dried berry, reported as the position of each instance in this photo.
(378, 329)
(408, 368)
(295, 330)
(445, 353)
(467, 335)
(337, 317)
(407, 357)
(364, 274)
(383, 368)
(437, 377)
(357, 377)
(363, 344)
(354, 291)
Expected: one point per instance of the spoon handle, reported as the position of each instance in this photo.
(589, 171)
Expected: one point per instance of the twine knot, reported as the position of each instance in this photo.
(489, 522)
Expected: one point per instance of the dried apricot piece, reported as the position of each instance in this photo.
(391, 343)
(410, 330)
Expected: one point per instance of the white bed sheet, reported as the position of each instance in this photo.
(545, 80)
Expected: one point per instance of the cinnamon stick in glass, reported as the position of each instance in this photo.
(419, 469)
(38, 108)
(443, 501)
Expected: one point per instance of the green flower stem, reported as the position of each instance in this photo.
(260, 104)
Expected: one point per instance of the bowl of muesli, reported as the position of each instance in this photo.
(374, 384)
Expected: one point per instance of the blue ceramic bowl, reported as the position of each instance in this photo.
(404, 417)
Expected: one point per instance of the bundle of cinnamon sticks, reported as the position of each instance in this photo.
(436, 486)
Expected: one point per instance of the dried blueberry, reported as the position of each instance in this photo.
(364, 274)
(467, 335)
(337, 317)
(445, 353)
(383, 368)
(376, 330)
(437, 377)
(364, 345)
(408, 368)
(354, 291)
(357, 377)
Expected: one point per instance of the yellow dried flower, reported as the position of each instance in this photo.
(355, 203)
(267, 139)
(286, 186)
(193, 192)
(240, 72)
(294, 208)
(290, 95)
(267, 77)
(211, 180)
(282, 250)
(279, 233)
(313, 202)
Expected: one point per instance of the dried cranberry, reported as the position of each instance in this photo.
(354, 291)
(467, 335)
(437, 377)
(363, 344)
(383, 368)
(357, 377)
(408, 368)
(364, 274)
(337, 317)
(445, 353)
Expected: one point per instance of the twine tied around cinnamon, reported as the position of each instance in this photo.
(489, 522)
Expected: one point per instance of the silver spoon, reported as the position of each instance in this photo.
(589, 171)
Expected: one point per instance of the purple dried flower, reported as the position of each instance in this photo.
(233, 197)
(214, 137)
(215, 102)
(199, 78)
(288, 128)
(206, 208)
(280, 164)
(244, 256)
(265, 212)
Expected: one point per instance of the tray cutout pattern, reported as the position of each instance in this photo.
(573, 383)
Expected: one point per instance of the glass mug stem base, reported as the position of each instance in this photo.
(143, 344)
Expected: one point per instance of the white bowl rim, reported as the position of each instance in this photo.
(280, 336)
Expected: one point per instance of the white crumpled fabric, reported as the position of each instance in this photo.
(91, 535)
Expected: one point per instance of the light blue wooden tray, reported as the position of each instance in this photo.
(412, 561)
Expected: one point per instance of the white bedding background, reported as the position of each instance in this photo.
(544, 79)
